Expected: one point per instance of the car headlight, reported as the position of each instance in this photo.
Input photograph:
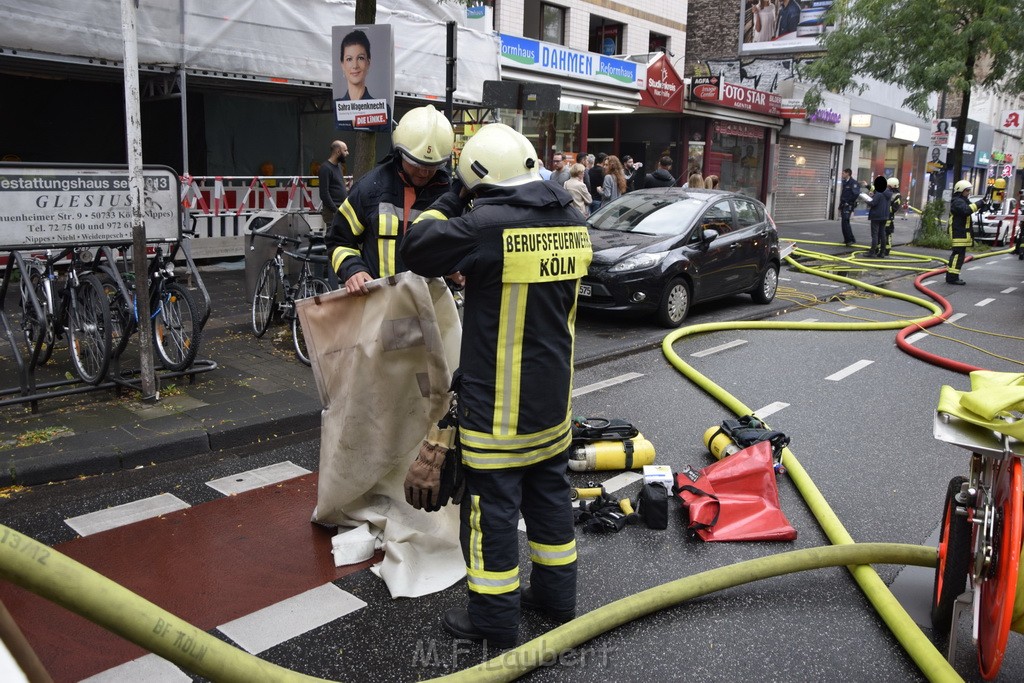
(638, 262)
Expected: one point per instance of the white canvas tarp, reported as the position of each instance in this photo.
(280, 39)
(383, 365)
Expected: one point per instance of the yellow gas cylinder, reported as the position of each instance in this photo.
(612, 455)
(719, 443)
(998, 191)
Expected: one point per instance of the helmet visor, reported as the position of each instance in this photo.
(419, 164)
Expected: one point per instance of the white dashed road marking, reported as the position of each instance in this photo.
(956, 316)
(770, 409)
(597, 386)
(148, 668)
(1008, 290)
(721, 347)
(914, 338)
(120, 515)
(254, 479)
(846, 309)
(289, 618)
(847, 371)
(984, 302)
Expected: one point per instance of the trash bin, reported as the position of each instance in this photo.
(258, 249)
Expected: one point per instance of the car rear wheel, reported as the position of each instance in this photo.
(766, 287)
(675, 303)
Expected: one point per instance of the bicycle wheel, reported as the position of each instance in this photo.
(999, 590)
(176, 331)
(122, 316)
(264, 299)
(954, 560)
(89, 329)
(32, 324)
(310, 287)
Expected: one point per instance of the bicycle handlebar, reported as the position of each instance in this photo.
(284, 239)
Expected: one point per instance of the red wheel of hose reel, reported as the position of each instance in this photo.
(1000, 590)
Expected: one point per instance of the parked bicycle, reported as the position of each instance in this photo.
(174, 314)
(73, 306)
(273, 278)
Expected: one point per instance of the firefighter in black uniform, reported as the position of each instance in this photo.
(895, 204)
(960, 212)
(522, 248)
(368, 229)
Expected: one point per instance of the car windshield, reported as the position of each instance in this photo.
(648, 214)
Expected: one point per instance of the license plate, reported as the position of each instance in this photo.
(585, 290)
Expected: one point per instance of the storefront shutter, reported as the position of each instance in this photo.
(804, 180)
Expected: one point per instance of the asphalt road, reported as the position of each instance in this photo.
(858, 411)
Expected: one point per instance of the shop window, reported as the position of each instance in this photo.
(605, 36)
(736, 156)
(657, 43)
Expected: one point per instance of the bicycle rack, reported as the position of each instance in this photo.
(31, 391)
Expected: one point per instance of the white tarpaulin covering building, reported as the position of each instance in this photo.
(283, 41)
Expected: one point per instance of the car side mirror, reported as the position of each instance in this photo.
(709, 236)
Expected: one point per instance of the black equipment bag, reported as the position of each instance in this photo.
(588, 429)
(652, 506)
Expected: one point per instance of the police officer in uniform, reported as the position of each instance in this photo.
(960, 212)
(522, 248)
(364, 239)
(847, 203)
(895, 204)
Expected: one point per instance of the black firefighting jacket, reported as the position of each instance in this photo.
(959, 225)
(370, 225)
(523, 251)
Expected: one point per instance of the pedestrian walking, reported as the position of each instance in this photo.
(523, 251)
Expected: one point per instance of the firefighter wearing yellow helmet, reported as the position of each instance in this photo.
(960, 212)
(522, 247)
(364, 239)
(895, 204)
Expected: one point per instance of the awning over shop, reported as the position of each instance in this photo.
(592, 94)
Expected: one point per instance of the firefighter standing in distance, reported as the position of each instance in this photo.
(878, 213)
(895, 204)
(960, 212)
(847, 203)
(522, 248)
(368, 229)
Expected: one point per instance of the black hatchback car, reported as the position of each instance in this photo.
(662, 250)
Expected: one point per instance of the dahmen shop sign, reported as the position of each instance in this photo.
(714, 90)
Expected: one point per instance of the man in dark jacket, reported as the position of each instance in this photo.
(847, 203)
(522, 248)
(960, 213)
(332, 182)
(895, 204)
(363, 241)
(878, 213)
(662, 177)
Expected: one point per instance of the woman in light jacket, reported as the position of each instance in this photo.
(614, 180)
(575, 186)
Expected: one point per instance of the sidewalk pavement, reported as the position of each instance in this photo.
(258, 391)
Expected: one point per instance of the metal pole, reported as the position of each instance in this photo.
(133, 120)
(184, 121)
(451, 77)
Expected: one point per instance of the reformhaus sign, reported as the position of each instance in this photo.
(558, 60)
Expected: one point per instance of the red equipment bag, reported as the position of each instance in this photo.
(735, 499)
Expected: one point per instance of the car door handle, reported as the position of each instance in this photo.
(734, 245)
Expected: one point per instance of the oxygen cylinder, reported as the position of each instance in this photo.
(719, 443)
(611, 455)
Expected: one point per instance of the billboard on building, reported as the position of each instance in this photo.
(363, 77)
(782, 25)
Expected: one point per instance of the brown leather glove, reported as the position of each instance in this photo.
(423, 480)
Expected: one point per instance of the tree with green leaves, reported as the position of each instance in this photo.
(926, 47)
